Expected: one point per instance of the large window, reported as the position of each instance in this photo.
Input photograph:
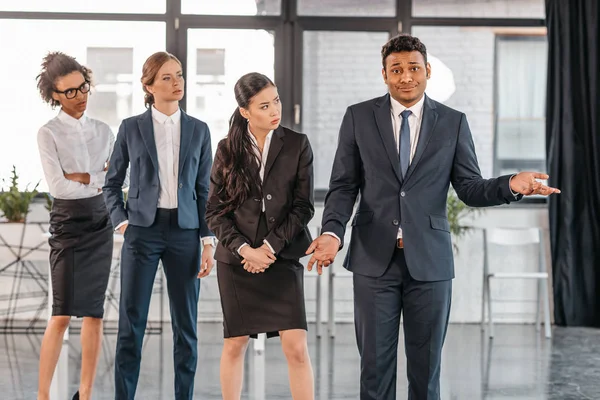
(521, 63)
(86, 6)
(115, 51)
(323, 55)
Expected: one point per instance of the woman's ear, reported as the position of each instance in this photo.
(244, 113)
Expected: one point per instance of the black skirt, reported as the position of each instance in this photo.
(267, 302)
(81, 249)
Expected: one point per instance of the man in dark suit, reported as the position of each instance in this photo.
(400, 152)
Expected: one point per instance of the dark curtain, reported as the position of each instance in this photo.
(573, 154)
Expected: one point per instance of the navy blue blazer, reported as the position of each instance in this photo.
(135, 148)
(367, 162)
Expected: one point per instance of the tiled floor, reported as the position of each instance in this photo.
(519, 363)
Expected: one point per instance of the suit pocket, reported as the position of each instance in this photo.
(439, 223)
(362, 217)
(133, 193)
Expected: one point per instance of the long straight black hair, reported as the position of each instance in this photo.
(236, 165)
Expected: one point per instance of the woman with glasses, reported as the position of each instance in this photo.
(74, 151)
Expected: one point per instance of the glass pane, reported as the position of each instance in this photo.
(231, 7)
(90, 6)
(217, 58)
(348, 8)
(116, 62)
(521, 99)
(463, 77)
(329, 87)
(479, 8)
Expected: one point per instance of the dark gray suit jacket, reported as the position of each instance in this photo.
(287, 190)
(135, 147)
(367, 162)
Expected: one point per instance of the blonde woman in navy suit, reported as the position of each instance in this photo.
(170, 157)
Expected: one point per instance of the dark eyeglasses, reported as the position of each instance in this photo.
(72, 92)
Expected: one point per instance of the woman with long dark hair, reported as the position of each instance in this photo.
(260, 202)
(74, 151)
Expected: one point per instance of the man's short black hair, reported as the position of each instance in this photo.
(402, 42)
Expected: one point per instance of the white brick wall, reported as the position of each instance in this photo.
(340, 69)
(479, 8)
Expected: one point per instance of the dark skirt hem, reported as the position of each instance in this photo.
(270, 332)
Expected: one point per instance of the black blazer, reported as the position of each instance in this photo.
(287, 190)
(367, 163)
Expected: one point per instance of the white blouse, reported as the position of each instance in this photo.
(69, 145)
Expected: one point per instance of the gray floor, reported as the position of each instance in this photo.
(518, 364)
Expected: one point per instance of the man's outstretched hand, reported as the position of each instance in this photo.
(323, 249)
(526, 183)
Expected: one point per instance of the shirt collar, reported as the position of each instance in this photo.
(70, 121)
(253, 138)
(416, 109)
(163, 118)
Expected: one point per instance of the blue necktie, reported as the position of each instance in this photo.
(404, 142)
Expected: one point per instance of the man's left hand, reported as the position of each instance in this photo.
(206, 262)
(526, 183)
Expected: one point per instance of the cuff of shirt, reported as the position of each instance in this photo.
(97, 180)
(241, 247)
(121, 224)
(209, 240)
(509, 188)
(269, 245)
(335, 236)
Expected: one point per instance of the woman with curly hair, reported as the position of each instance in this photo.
(74, 151)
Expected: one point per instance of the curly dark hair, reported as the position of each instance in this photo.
(56, 65)
(402, 42)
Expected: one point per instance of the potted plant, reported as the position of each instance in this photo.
(14, 204)
(457, 211)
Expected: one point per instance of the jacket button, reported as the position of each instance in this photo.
(272, 219)
(395, 222)
(269, 197)
(180, 185)
(402, 194)
(256, 199)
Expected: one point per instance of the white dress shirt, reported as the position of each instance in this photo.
(414, 123)
(262, 156)
(69, 145)
(167, 136)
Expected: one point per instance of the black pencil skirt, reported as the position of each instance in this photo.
(81, 248)
(268, 302)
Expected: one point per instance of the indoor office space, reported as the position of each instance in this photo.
(522, 309)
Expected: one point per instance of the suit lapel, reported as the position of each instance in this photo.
(147, 132)
(274, 149)
(187, 131)
(430, 117)
(383, 119)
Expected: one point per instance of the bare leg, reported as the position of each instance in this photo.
(91, 342)
(232, 367)
(295, 348)
(49, 353)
